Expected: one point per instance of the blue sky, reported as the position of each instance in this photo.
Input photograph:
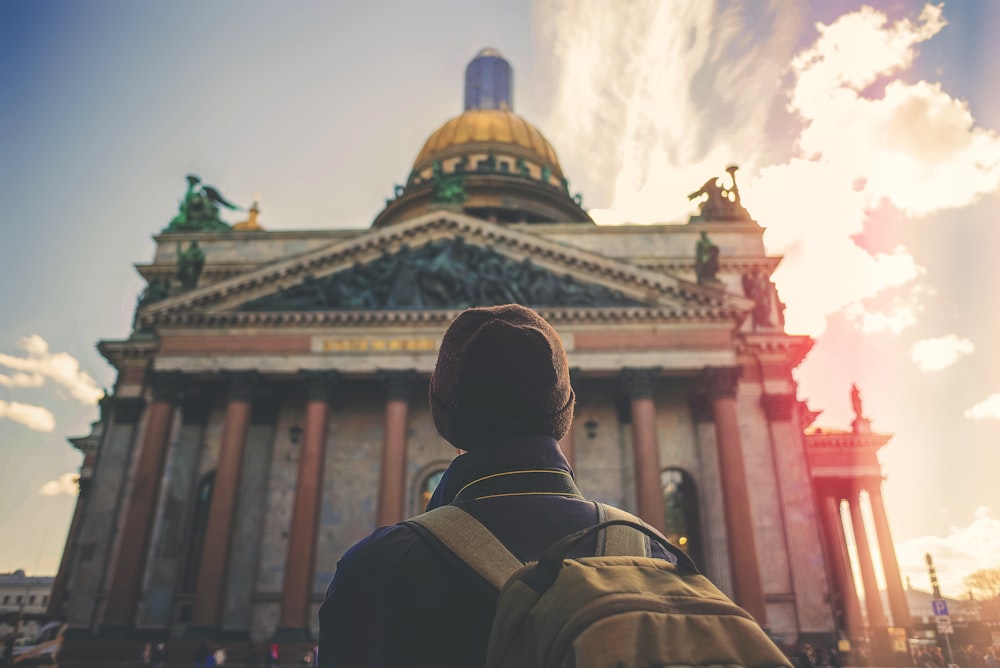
(885, 211)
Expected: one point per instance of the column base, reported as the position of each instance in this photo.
(292, 634)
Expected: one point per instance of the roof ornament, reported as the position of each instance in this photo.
(199, 210)
(448, 188)
(706, 260)
(721, 202)
(251, 223)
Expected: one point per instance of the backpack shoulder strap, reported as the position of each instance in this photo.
(465, 537)
(618, 540)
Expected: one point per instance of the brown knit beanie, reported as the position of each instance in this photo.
(501, 371)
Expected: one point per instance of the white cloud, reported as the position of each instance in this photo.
(32, 417)
(987, 409)
(962, 551)
(64, 484)
(22, 380)
(656, 99)
(62, 368)
(940, 353)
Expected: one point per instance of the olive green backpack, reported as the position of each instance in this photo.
(620, 609)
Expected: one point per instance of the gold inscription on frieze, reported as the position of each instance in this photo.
(365, 345)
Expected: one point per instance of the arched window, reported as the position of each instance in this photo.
(680, 511)
(427, 488)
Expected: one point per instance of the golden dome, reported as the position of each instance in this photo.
(489, 129)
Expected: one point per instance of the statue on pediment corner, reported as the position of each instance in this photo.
(706, 259)
(720, 202)
(759, 288)
(190, 262)
(199, 210)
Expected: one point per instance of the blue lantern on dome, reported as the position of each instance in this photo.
(489, 82)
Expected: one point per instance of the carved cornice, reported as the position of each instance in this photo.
(128, 351)
(639, 383)
(779, 407)
(613, 315)
(792, 347)
(721, 382)
(635, 281)
(727, 264)
(845, 440)
(320, 384)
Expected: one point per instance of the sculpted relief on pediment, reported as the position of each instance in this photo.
(444, 274)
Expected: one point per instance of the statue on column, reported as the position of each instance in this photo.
(860, 424)
(706, 260)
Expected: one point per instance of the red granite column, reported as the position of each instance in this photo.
(301, 556)
(893, 581)
(845, 595)
(215, 553)
(873, 602)
(140, 508)
(568, 442)
(639, 385)
(392, 474)
(721, 385)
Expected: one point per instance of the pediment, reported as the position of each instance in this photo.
(440, 263)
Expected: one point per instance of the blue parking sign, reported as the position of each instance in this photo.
(940, 607)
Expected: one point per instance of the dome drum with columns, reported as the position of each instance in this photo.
(270, 405)
(499, 166)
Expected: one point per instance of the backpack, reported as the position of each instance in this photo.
(619, 609)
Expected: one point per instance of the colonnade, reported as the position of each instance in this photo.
(832, 493)
(716, 386)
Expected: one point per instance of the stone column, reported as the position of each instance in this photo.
(140, 509)
(721, 385)
(893, 581)
(713, 512)
(805, 551)
(845, 595)
(873, 604)
(639, 385)
(215, 553)
(300, 559)
(392, 474)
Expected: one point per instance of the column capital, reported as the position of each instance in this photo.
(319, 384)
(721, 382)
(398, 383)
(126, 410)
(701, 408)
(165, 386)
(241, 385)
(779, 407)
(195, 408)
(639, 383)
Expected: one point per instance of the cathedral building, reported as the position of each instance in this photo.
(270, 407)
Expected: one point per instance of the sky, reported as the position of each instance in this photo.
(867, 136)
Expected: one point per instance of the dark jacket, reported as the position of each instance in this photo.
(396, 601)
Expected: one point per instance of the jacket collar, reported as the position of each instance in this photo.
(517, 453)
